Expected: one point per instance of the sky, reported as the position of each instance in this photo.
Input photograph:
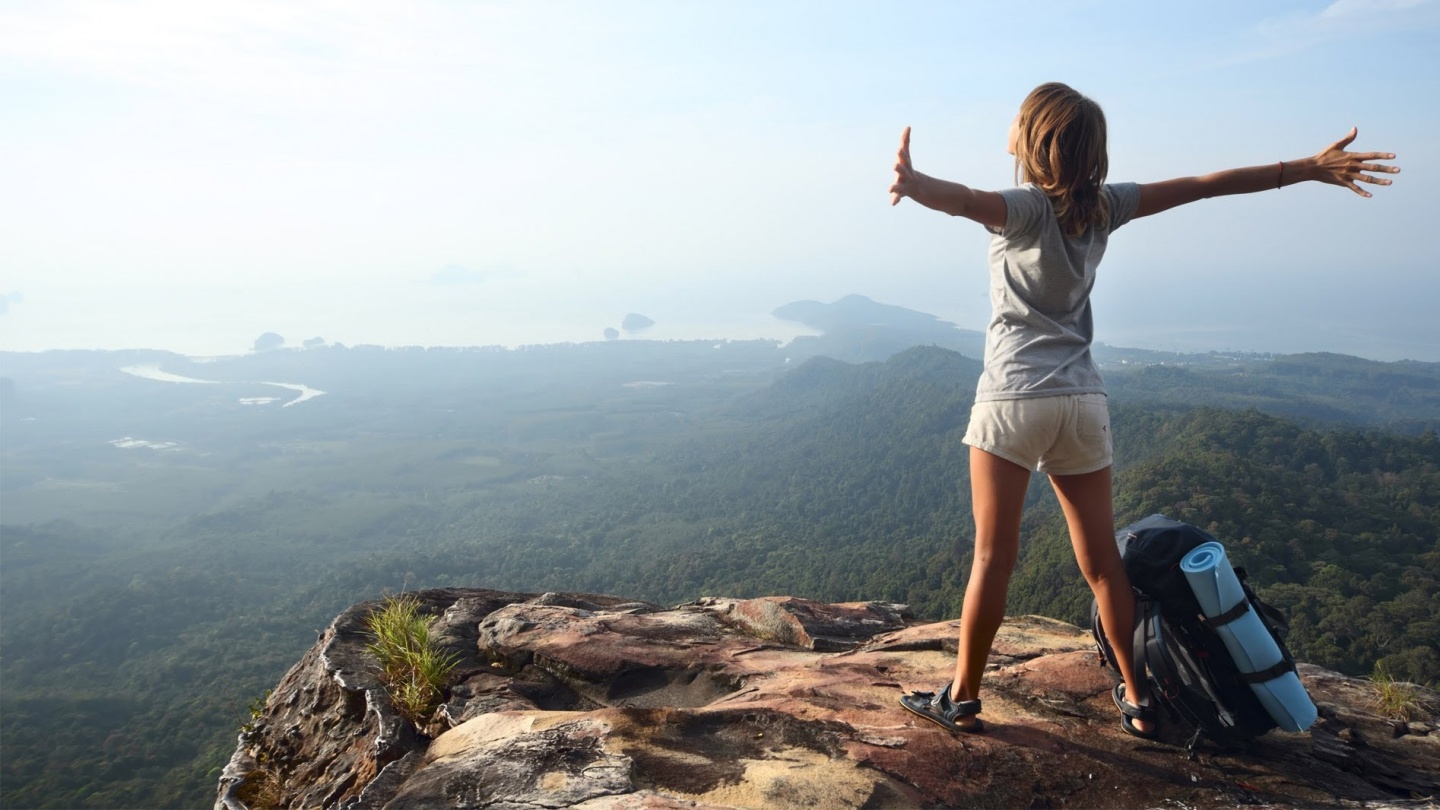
(187, 176)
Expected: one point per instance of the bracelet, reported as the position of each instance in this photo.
(1280, 175)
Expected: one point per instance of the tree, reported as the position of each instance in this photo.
(635, 322)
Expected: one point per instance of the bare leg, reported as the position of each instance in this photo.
(1090, 513)
(997, 489)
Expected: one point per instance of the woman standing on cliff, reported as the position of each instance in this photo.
(1041, 403)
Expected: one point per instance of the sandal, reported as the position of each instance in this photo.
(938, 708)
(1130, 712)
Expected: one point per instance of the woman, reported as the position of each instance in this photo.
(1040, 404)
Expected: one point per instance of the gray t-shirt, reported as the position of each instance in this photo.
(1038, 341)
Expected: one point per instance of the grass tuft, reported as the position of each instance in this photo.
(1401, 700)
(261, 790)
(414, 668)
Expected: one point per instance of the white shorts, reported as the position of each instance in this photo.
(1060, 435)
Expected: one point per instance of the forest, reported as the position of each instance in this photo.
(169, 549)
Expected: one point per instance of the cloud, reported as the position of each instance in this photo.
(1347, 8)
(6, 299)
(1274, 37)
(268, 53)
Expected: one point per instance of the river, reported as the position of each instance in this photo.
(153, 372)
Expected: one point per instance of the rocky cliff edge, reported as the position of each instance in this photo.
(595, 702)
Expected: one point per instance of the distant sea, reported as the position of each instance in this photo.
(473, 329)
(1378, 330)
(1387, 339)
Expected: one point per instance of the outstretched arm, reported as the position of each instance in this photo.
(1331, 165)
(955, 199)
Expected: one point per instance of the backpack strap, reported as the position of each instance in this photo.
(1270, 673)
(1275, 620)
(1240, 609)
(1138, 641)
(1164, 679)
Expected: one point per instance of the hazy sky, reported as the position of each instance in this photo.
(187, 175)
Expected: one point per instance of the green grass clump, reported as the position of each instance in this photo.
(1401, 700)
(414, 668)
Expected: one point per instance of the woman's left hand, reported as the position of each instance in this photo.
(1338, 167)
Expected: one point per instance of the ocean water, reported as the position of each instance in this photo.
(204, 322)
(417, 316)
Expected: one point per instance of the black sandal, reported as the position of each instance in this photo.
(938, 708)
(1130, 712)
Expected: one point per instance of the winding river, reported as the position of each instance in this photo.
(153, 372)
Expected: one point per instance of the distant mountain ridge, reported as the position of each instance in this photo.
(858, 329)
(857, 310)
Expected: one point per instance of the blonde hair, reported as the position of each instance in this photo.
(1060, 147)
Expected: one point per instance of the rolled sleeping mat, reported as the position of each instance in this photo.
(1219, 592)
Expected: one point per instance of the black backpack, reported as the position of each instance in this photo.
(1190, 672)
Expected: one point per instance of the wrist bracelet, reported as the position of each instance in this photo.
(1280, 175)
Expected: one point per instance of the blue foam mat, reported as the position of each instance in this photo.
(1250, 644)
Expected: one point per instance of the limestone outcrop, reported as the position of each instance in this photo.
(600, 703)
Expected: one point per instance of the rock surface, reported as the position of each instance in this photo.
(601, 703)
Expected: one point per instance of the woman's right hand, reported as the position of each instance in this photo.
(904, 172)
(1338, 167)
(955, 199)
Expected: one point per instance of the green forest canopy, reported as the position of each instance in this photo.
(184, 583)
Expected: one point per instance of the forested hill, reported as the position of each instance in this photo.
(186, 580)
(1317, 388)
(852, 483)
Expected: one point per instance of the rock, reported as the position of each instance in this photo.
(602, 703)
(816, 626)
(525, 759)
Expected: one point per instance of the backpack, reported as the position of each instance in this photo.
(1190, 672)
